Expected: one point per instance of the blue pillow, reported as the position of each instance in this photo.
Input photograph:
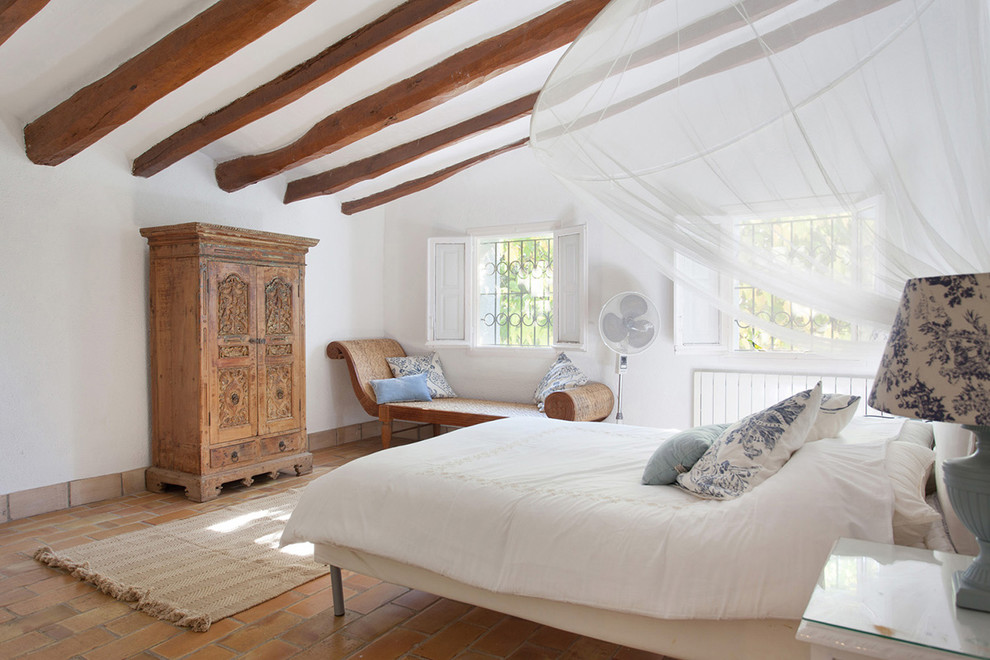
(679, 453)
(403, 388)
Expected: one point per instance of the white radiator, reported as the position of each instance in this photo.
(727, 396)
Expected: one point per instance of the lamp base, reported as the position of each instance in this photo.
(967, 481)
(969, 597)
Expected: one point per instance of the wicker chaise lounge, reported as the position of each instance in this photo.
(366, 362)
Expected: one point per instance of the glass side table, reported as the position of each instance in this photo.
(875, 600)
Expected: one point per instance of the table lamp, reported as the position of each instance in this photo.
(936, 366)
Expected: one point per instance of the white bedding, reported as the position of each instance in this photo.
(556, 510)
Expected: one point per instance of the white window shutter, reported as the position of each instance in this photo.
(448, 287)
(570, 302)
(698, 324)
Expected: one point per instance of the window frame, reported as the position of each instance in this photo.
(578, 267)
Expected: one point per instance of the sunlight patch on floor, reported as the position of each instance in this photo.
(236, 523)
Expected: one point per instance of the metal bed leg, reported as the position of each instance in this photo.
(337, 587)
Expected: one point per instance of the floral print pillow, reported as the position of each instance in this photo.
(423, 364)
(754, 448)
(562, 375)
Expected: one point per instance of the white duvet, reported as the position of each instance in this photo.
(556, 510)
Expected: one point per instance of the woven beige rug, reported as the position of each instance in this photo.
(198, 570)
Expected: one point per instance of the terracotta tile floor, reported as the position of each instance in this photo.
(44, 613)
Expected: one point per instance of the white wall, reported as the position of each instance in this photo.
(74, 389)
(515, 189)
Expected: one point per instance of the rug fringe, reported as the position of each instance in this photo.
(139, 599)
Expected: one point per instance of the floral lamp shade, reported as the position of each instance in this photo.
(937, 362)
(937, 366)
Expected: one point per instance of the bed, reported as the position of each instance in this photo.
(547, 520)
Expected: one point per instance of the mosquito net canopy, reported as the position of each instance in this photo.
(792, 162)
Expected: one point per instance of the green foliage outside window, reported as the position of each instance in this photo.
(516, 291)
(836, 246)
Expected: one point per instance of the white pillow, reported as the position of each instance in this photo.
(423, 364)
(752, 450)
(836, 411)
(562, 375)
(922, 434)
(917, 432)
(908, 466)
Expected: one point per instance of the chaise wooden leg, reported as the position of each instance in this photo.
(385, 415)
(337, 589)
(437, 429)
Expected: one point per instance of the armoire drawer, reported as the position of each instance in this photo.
(230, 455)
(283, 444)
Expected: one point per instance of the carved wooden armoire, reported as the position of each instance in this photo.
(228, 356)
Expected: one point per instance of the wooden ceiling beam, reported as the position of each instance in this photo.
(296, 82)
(425, 90)
(422, 183)
(95, 110)
(15, 13)
(335, 180)
(338, 179)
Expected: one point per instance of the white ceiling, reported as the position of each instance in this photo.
(70, 44)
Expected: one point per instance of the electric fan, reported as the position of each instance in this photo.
(628, 324)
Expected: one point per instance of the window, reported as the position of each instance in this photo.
(526, 290)
(515, 291)
(840, 242)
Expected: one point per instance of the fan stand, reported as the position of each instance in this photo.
(628, 325)
(621, 365)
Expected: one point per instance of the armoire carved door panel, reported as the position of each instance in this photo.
(232, 335)
(280, 355)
